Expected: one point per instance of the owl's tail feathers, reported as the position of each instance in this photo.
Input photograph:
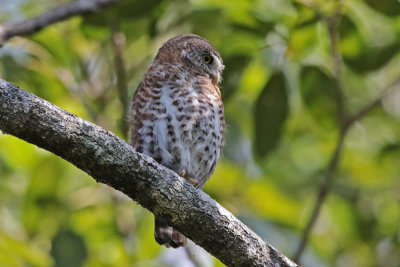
(168, 236)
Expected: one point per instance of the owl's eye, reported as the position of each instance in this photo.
(207, 59)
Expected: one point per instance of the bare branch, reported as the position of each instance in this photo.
(57, 14)
(322, 194)
(332, 25)
(118, 42)
(110, 160)
(346, 121)
(332, 167)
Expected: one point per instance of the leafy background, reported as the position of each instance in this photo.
(284, 113)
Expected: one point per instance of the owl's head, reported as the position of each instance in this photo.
(196, 53)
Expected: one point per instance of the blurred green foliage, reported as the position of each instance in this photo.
(283, 118)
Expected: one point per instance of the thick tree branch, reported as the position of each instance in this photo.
(57, 14)
(110, 160)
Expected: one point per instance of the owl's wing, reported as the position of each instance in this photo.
(138, 107)
(144, 118)
(150, 125)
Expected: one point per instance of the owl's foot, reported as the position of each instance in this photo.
(193, 181)
(168, 236)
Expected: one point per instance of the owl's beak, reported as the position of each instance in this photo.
(215, 79)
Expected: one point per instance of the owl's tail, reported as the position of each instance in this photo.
(168, 236)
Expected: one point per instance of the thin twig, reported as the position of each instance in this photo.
(372, 105)
(332, 167)
(30, 26)
(332, 25)
(322, 194)
(118, 43)
(346, 122)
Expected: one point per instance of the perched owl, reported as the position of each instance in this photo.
(178, 115)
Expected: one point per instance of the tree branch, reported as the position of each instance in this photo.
(110, 160)
(332, 24)
(332, 167)
(30, 26)
(118, 42)
(322, 194)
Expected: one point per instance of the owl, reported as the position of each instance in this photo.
(178, 115)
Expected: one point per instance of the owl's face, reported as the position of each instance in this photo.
(206, 60)
(196, 53)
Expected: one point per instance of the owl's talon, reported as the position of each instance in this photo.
(183, 173)
(194, 182)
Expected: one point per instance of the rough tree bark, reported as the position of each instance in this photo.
(110, 160)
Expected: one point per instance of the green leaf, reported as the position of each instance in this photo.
(372, 58)
(270, 114)
(389, 149)
(124, 10)
(359, 55)
(319, 94)
(136, 18)
(68, 249)
(388, 7)
(129, 9)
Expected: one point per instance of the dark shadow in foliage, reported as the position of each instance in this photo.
(259, 27)
(68, 249)
(134, 9)
(129, 13)
(5, 168)
(234, 66)
(205, 21)
(203, 18)
(373, 58)
(389, 149)
(366, 58)
(270, 114)
(233, 139)
(318, 91)
(387, 7)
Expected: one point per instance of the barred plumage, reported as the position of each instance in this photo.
(178, 115)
